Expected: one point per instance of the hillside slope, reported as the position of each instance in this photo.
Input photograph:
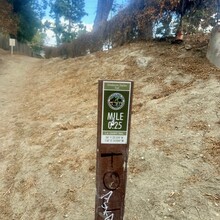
(48, 133)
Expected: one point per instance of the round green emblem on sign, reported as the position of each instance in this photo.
(116, 101)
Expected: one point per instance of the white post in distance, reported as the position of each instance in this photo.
(11, 44)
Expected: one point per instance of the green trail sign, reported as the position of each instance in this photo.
(114, 114)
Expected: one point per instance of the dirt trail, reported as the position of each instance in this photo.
(48, 134)
(14, 73)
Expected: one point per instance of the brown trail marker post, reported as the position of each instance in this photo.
(114, 114)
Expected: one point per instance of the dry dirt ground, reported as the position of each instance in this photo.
(48, 129)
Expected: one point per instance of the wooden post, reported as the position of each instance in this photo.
(114, 114)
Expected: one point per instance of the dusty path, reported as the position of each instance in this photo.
(14, 73)
(39, 159)
(48, 128)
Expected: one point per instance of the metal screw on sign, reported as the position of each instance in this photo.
(114, 114)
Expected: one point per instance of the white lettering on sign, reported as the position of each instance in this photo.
(107, 214)
(112, 116)
(115, 120)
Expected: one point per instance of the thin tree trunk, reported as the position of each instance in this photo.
(57, 34)
(218, 11)
(103, 9)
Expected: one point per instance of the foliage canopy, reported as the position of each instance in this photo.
(8, 20)
(67, 15)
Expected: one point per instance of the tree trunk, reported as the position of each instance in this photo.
(218, 11)
(146, 31)
(103, 9)
(213, 52)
